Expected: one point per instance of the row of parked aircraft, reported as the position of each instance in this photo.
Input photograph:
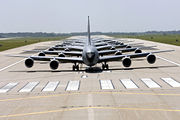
(91, 52)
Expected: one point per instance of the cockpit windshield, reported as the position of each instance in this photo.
(90, 55)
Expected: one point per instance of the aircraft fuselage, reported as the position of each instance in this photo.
(90, 55)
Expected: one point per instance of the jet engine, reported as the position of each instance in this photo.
(29, 62)
(128, 46)
(51, 49)
(41, 54)
(54, 64)
(126, 62)
(61, 55)
(118, 53)
(151, 58)
(138, 51)
(112, 48)
(66, 49)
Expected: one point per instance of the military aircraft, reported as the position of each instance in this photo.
(90, 57)
(62, 53)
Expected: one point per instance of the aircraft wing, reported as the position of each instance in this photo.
(120, 57)
(49, 58)
(72, 53)
(106, 52)
(69, 47)
(103, 47)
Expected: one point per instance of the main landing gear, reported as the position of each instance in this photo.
(75, 67)
(105, 66)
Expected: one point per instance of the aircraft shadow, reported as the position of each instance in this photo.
(94, 69)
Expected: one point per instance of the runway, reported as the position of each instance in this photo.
(140, 92)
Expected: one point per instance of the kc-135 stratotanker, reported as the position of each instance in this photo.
(90, 56)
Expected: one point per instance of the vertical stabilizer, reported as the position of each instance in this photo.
(89, 35)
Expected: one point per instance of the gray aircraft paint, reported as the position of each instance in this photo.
(90, 54)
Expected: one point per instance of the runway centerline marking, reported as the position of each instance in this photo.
(90, 103)
(85, 93)
(169, 61)
(84, 108)
(11, 65)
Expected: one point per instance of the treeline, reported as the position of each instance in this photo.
(44, 34)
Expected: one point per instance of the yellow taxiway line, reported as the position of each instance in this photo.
(85, 93)
(84, 108)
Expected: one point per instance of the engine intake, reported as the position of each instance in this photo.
(41, 54)
(126, 62)
(61, 55)
(128, 46)
(51, 49)
(66, 49)
(151, 59)
(118, 53)
(112, 48)
(29, 62)
(54, 64)
(138, 51)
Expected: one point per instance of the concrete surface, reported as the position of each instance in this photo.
(85, 99)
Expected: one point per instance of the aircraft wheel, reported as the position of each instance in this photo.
(77, 67)
(107, 66)
(73, 68)
(103, 66)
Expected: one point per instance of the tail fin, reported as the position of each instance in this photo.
(89, 35)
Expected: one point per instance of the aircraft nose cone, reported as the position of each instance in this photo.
(90, 55)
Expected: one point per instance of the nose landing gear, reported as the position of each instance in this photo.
(105, 66)
(75, 67)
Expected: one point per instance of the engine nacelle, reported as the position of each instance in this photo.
(118, 53)
(61, 55)
(151, 59)
(126, 62)
(54, 64)
(51, 49)
(41, 54)
(66, 49)
(138, 51)
(112, 48)
(29, 62)
(128, 46)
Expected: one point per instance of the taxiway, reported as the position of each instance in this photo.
(141, 92)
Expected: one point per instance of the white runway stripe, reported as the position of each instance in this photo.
(128, 83)
(106, 84)
(11, 65)
(73, 85)
(150, 83)
(29, 87)
(171, 82)
(8, 87)
(168, 61)
(51, 86)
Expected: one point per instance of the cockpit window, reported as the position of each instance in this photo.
(90, 55)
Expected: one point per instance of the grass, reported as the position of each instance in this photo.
(173, 39)
(18, 42)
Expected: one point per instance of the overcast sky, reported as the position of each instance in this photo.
(105, 15)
